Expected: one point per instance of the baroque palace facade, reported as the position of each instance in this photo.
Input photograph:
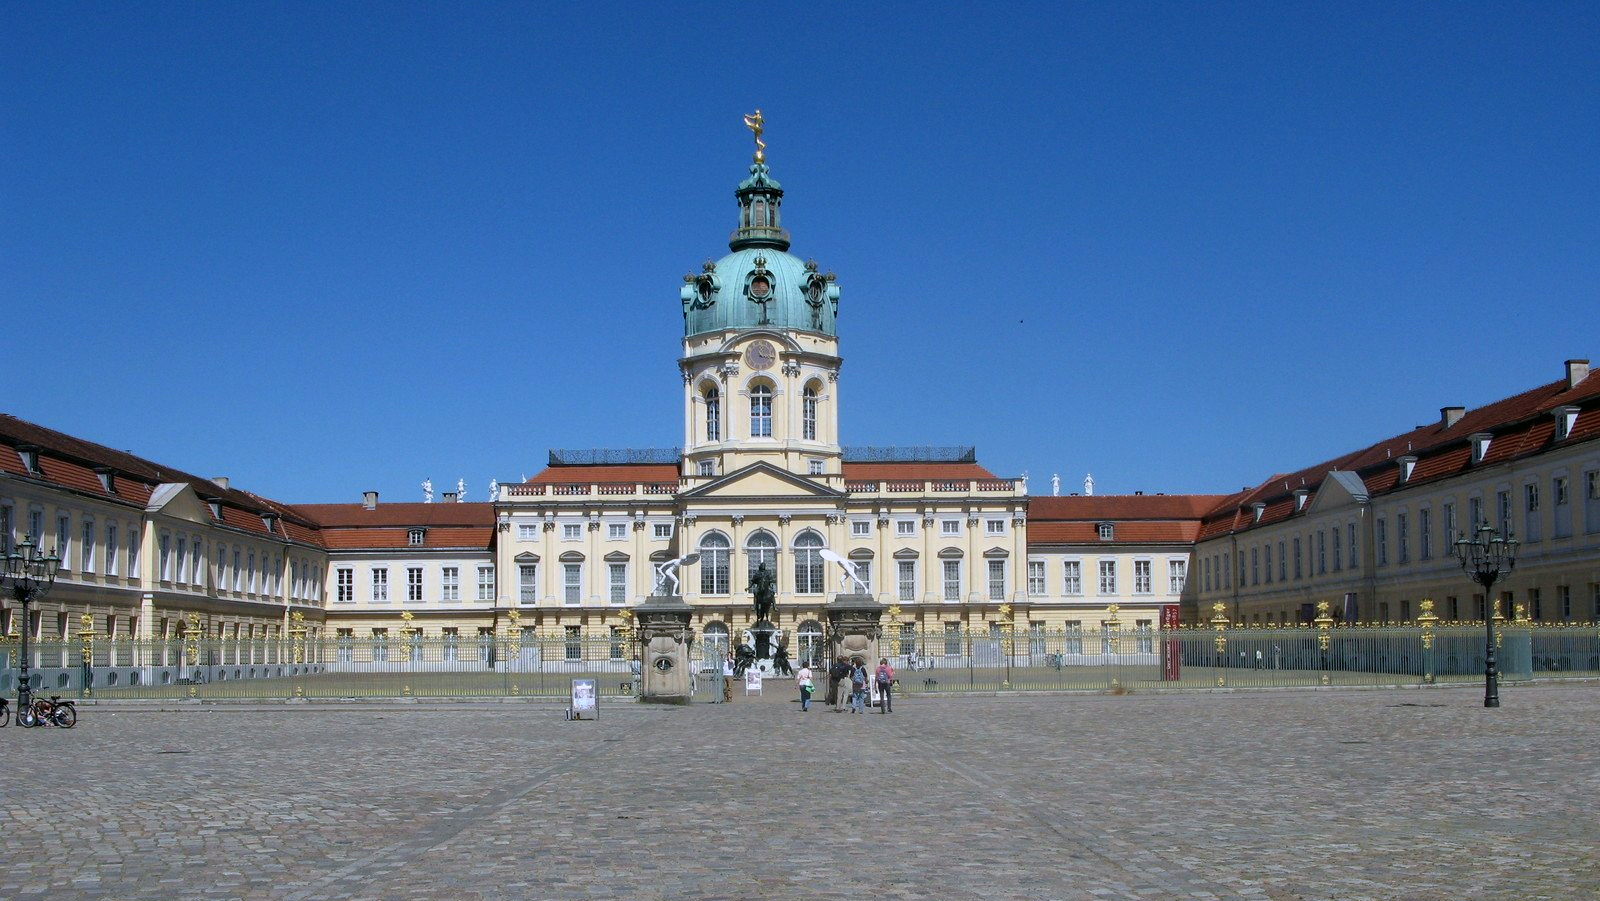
(762, 475)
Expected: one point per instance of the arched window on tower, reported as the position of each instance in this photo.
(761, 547)
(808, 414)
(761, 412)
(808, 563)
(713, 414)
(714, 563)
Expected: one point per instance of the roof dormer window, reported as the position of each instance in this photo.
(1480, 445)
(1301, 496)
(415, 537)
(1256, 509)
(1566, 418)
(270, 520)
(108, 479)
(1407, 464)
(30, 459)
(1106, 531)
(215, 503)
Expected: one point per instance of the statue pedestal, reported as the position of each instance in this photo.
(664, 639)
(853, 621)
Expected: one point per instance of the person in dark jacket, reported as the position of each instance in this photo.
(839, 671)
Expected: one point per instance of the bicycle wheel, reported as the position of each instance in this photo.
(25, 718)
(65, 717)
(5, 715)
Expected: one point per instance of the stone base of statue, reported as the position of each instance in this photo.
(854, 625)
(664, 646)
(763, 632)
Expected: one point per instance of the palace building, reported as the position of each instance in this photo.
(762, 474)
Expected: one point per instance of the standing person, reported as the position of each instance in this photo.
(837, 673)
(858, 685)
(884, 676)
(727, 679)
(803, 679)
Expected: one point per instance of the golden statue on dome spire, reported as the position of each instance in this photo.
(754, 122)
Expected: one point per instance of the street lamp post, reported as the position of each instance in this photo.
(29, 574)
(1487, 555)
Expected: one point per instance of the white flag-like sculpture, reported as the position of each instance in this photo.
(667, 571)
(849, 573)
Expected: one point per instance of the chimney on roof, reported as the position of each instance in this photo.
(449, 497)
(369, 500)
(1449, 416)
(1577, 371)
(221, 482)
(1138, 494)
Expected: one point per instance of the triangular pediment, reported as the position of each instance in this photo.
(760, 480)
(179, 500)
(1339, 488)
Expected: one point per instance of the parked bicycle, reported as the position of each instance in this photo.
(5, 712)
(53, 711)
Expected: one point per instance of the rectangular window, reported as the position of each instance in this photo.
(864, 573)
(450, 583)
(950, 527)
(1560, 496)
(571, 531)
(617, 531)
(1144, 637)
(345, 586)
(1424, 534)
(86, 549)
(380, 585)
(995, 526)
(1266, 561)
(663, 530)
(952, 580)
(1502, 501)
(1401, 551)
(1035, 577)
(572, 582)
(707, 467)
(617, 648)
(1255, 566)
(1380, 538)
(860, 529)
(1142, 578)
(413, 583)
(111, 552)
(485, 583)
(1474, 514)
(1351, 528)
(952, 639)
(1297, 557)
(1072, 581)
(761, 413)
(619, 582)
(1283, 561)
(997, 580)
(527, 583)
(1322, 552)
(164, 557)
(63, 539)
(1591, 501)
(133, 554)
(1074, 639)
(1108, 577)
(527, 532)
(1530, 513)
(573, 636)
(907, 579)
(380, 645)
(814, 467)
(1536, 604)
(198, 561)
(1338, 555)
(1177, 575)
(1205, 573)
(1448, 512)
(250, 573)
(905, 527)
(1564, 602)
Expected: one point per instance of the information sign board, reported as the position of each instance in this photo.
(752, 681)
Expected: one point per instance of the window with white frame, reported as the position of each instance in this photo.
(714, 551)
(808, 414)
(619, 582)
(86, 548)
(815, 467)
(527, 532)
(571, 531)
(1424, 534)
(1106, 531)
(952, 580)
(1530, 513)
(713, 400)
(906, 579)
(1108, 577)
(808, 563)
(197, 562)
(1402, 542)
(572, 583)
(864, 573)
(250, 573)
(1142, 579)
(112, 549)
(380, 584)
(905, 527)
(344, 581)
(1178, 574)
(1035, 577)
(997, 580)
(164, 556)
(1380, 538)
(860, 528)
(527, 582)
(415, 537)
(760, 548)
(450, 583)
(995, 526)
(952, 638)
(950, 527)
(662, 530)
(413, 583)
(707, 467)
(1338, 555)
(761, 412)
(485, 583)
(617, 531)
(1561, 498)
(238, 571)
(1350, 532)
(1072, 577)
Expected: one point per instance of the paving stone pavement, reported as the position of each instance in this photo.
(1349, 794)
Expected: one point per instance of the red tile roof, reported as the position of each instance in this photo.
(912, 472)
(337, 516)
(627, 473)
(1137, 532)
(1119, 507)
(477, 538)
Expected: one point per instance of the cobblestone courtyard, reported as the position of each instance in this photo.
(1417, 794)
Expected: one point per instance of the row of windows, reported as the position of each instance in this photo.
(1217, 573)
(1072, 577)
(449, 585)
(573, 531)
(760, 412)
(83, 550)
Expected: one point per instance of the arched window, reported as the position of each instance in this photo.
(714, 647)
(808, 414)
(761, 547)
(808, 563)
(761, 412)
(713, 414)
(812, 645)
(714, 563)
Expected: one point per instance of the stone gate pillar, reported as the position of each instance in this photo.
(854, 629)
(664, 639)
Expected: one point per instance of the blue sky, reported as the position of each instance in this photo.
(325, 248)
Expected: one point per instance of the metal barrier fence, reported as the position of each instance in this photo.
(943, 662)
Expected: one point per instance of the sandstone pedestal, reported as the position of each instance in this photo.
(664, 640)
(854, 629)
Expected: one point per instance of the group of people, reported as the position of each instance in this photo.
(848, 683)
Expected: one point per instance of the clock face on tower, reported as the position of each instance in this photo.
(761, 355)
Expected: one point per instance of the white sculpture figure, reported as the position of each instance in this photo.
(1055, 485)
(1088, 485)
(849, 574)
(461, 491)
(1024, 481)
(667, 571)
(427, 491)
(494, 490)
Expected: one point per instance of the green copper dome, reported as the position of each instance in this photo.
(760, 284)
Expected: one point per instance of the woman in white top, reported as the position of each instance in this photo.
(803, 679)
